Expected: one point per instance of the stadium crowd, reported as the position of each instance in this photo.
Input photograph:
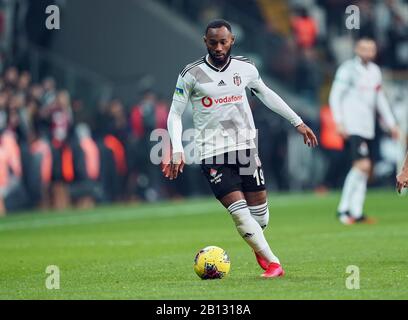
(52, 156)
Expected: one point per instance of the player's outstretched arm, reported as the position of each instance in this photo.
(173, 159)
(309, 137)
(274, 102)
(402, 177)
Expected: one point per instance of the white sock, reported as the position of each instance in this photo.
(250, 230)
(358, 198)
(261, 214)
(349, 187)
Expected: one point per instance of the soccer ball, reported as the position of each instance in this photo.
(212, 263)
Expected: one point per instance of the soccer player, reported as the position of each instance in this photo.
(402, 178)
(355, 96)
(215, 85)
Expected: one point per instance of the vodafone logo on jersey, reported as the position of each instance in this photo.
(208, 102)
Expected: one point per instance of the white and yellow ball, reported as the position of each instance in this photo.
(212, 263)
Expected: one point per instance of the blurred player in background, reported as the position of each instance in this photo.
(215, 86)
(402, 178)
(355, 96)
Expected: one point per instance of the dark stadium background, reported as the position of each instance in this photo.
(79, 194)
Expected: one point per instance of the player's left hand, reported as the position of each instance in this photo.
(309, 137)
(402, 181)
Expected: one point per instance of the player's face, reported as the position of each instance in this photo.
(366, 50)
(219, 42)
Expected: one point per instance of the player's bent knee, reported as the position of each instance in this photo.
(255, 198)
(363, 165)
(231, 198)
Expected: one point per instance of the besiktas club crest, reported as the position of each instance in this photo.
(237, 79)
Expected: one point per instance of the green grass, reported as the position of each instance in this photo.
(147, 251)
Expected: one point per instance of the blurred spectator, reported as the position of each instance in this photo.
(58, 115)
(307, 67)
(49, 91)
(36, 91)
(18, 117)
(12, 193)
(112, 132)
(3, 110)
(304, 28)
(23, 83)
(85, 189)
(117, 122)
(11, 78)
(39, 173)
(332, 145)
(147, 115)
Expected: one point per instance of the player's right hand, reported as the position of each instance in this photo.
(402, 181)
(395, 133)
(175, 166)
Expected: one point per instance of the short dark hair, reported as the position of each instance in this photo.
(218, 23)
(364, 37)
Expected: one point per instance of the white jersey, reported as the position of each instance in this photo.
(355, 96)
(221, 113)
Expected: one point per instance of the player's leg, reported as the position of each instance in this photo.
(363, 167)
(253, 186)
(247, 226)
(258, 206)
(251, 232)
(225, 183)
(359, 152)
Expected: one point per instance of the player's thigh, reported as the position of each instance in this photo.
(254, 186)
(361, 151)
(231, 198)
(359, 148)
(363, 164)
(224, 180)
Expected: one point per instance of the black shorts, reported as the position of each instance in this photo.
(360, 148)
(234, 171)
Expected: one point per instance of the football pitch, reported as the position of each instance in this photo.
(146, 251)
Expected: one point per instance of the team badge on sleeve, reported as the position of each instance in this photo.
(237, 79)
(179, 91)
